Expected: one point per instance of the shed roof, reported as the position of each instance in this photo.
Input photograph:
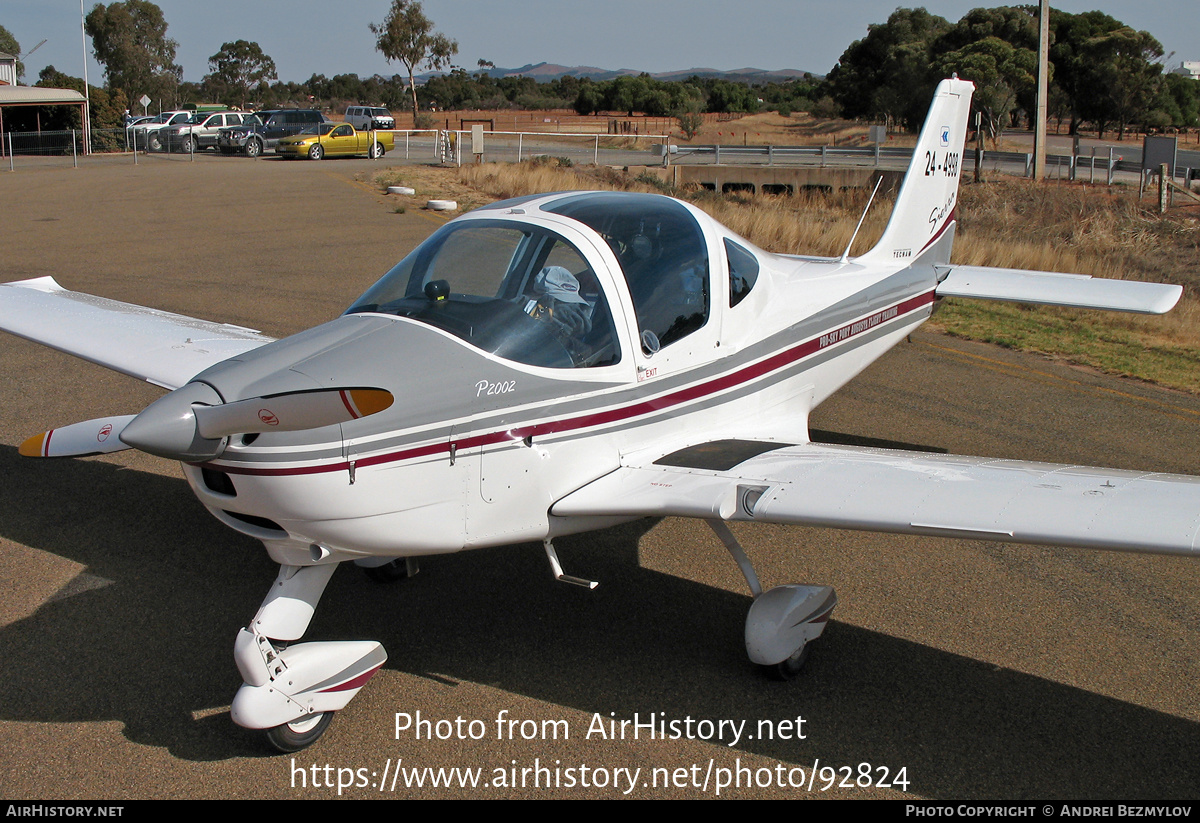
(38, 96)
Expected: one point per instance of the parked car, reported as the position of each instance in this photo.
(333, 140)
(263, 129)
(365, 118)
(146, 132)
(199, 132)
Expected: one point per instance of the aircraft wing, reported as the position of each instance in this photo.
(1053, 289)
(159, 347)
(939, 495)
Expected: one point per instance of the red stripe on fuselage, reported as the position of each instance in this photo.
(614, 415)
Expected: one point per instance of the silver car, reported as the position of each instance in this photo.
(199, 132)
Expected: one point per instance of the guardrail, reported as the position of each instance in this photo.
(1058, 165)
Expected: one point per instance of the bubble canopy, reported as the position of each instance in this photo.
(516, 290)
(524, 292)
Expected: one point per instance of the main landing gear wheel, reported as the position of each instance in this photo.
(784, 621)
(301, 733)
(789, 669)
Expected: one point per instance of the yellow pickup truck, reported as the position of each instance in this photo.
(335, 140)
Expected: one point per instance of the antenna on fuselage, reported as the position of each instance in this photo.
(846, 254)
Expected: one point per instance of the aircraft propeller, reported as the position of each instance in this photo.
(191, 423)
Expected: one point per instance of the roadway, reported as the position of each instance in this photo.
(982, 670)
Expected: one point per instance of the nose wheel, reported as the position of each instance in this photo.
(299, 734)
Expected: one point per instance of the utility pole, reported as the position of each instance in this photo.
(1043, 78)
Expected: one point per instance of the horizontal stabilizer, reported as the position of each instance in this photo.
(974, 498)
(156, 346)
(1053, 289)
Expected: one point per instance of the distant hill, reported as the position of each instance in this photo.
(545, 72)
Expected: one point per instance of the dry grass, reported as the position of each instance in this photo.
(1010, 223)
(798, 129)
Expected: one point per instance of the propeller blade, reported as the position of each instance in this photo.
(294, 411)
(99, 436)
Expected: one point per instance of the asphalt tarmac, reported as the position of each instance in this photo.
(952, 669)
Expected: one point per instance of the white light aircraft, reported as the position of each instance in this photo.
(559, 363)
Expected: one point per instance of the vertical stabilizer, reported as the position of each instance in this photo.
(929, 193)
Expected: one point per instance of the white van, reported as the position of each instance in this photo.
(364, 118)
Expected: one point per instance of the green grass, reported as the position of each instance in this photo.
(1086, 338)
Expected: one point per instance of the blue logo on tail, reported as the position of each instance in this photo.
(944, 139)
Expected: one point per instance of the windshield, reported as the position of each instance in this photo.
(320, 128)
(520, 292)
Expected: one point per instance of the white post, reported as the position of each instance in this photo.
(596, 155)
(520, 137)
(74, 153)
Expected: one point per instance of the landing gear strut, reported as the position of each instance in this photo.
(783, 621)
(292, 691)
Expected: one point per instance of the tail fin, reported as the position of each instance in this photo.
(929, 193)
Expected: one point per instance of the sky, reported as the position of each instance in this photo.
(306, 37)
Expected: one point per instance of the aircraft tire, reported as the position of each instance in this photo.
(299, 734)
(790, 668)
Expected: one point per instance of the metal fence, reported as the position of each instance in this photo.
(439, 146)
(65, 143)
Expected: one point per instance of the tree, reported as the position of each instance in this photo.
(130, 39)
(406, 35)
(887, 73)
(9, 45)
(240, 65)
(1002, 74)
(107, 109)
(1127, 70)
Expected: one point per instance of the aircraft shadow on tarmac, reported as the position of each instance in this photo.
(153, 649)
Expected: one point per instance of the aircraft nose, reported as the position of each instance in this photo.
(167, 427)
(192, 423)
